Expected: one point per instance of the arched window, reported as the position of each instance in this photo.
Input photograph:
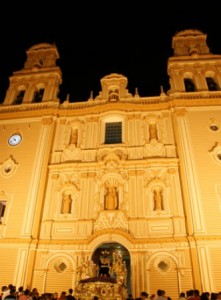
(212, 85)
(38, 95)
(189, 85)
(19, 97)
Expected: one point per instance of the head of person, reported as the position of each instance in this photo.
(143, 295)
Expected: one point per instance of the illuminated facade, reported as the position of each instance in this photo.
(137, 175)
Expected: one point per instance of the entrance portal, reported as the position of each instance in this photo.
(103, 258)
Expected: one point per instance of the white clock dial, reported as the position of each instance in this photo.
(15, 139)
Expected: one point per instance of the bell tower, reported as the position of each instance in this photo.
(39, 80)
(193, 68)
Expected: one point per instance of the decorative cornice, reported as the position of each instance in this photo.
(92, 107)
(135, 241)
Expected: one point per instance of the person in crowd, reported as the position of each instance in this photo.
(152, 297)
(5, 291)
(12, 293)
(63, 296)
(160, 295)
(70, 294)
(164, 295)
(54, 296)
(213, 296)
(196, 294)
(182, 296)
(144, 295)
(204, 296)
(190, 295)
(34, 294)
(20, 291)
(25, 295)
(130, 297)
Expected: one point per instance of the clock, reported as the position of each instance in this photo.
(15, 139)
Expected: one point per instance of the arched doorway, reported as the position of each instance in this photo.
(111, 248)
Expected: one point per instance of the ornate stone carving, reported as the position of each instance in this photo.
(111, 219)
(71, 153)
(8, 167)
(154, 149)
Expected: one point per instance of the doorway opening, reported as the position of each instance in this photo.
(109, 249)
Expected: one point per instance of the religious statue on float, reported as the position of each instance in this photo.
(104, 264)
(109, 277)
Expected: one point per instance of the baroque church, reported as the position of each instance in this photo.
(117, 177)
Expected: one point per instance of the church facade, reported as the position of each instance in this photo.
(118, 173)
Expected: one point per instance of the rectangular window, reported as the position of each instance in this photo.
(2, 210)
(113, 133)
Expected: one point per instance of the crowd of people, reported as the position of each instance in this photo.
(10, 292)
(188, 295)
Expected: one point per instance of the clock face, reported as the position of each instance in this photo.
(15, 139)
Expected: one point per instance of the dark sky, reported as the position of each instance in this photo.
(95, 39)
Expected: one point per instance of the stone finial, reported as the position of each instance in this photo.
(91, 96)
(67, 98)
(136, 95)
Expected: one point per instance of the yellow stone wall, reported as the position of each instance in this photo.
(176, 247)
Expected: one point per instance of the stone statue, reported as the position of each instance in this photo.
(158, 199)
(153, 132)
(66, 204)
(111, 198)
(74, 137)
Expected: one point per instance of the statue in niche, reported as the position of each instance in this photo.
(153, 132)
(111, 198)
(158, 199)
(74, 136)
(66, 204)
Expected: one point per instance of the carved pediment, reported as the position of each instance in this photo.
(111, 219)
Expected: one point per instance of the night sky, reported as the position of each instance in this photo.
(97, 39)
